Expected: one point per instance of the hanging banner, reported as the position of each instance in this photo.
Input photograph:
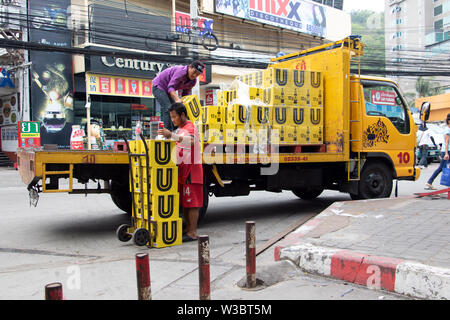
(119, 86)
(51, 72)
(297, 15)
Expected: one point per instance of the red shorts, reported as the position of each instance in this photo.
(191, 195)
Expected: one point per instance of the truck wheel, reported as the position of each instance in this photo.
(375, 182)
(307, 193)
(121, 196)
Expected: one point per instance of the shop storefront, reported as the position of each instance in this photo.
(120, 94)
(10, 112)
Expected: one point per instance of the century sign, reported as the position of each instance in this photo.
(133, 64)
(124, 66)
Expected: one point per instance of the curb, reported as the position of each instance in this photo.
(395, 275)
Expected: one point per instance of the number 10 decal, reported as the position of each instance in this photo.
(404, 157)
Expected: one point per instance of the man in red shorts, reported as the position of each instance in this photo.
(190, 170)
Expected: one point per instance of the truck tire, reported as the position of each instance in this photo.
(376, 182)
(307, 193)
(121, 196)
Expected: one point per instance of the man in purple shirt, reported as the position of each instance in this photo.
(169, 81)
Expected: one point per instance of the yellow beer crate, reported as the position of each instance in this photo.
(169, 232)
(303, 133)
(193, 107)
(316, 135)
(251, 135)
(299, 79)
(241, 134)
(255, 79)
(260, 115)
(212, 133)
(315, 79)
(165, 206)
(298, 116)
(213, 115)
(276, 96)
(316, 97)
(162, 153)
(139, 180)
(283, 135)
(229, 134)
(281, 116)
(257, 135)
(315, 116)
(141, 206)
(164, 180)
(224, 97)
(199, 128)
(238, 114)
(293, 97)
(274, 77)
(256, 93)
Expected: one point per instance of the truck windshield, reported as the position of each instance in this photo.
(383, 100)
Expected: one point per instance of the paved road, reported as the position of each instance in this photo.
(71, 239)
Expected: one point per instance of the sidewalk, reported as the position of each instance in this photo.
(399, 244)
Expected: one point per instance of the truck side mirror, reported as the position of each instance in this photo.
(425, 111)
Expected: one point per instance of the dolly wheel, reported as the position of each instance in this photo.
(141, 237)
(123, 234)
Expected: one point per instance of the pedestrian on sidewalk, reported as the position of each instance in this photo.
(169, 81)
(444, 155)
(190, 170)
(424, 140)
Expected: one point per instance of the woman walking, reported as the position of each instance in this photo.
(444, 155)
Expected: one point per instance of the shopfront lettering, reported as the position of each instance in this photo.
(125, 63)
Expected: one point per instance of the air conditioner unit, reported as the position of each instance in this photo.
(183, 51)
(79, 35)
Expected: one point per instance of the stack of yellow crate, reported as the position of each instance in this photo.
(195, 114)
(299, 95)
(161, 216)
(279, 106)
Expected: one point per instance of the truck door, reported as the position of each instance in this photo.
(388, 130)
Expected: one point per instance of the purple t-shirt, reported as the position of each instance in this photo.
(174, 79)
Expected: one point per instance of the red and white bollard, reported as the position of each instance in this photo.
(250, 244)
(203, 268)
(143, 276)
(53, 291)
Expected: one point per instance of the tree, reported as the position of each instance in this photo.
(370, 25)
(425, 88)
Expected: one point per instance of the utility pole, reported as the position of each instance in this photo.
(194, 19)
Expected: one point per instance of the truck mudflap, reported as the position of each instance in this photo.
(26, 166)
(26, 160)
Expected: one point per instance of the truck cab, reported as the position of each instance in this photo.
(383, 136)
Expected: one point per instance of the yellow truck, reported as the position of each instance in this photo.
(366, 138)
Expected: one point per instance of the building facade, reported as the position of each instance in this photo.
(417, 39)
(136, 39)
(14, 93)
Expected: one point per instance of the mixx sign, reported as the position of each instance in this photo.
(297, 15)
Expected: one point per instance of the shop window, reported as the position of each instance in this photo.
(438, 10)
(118, 115)
(384, 101)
